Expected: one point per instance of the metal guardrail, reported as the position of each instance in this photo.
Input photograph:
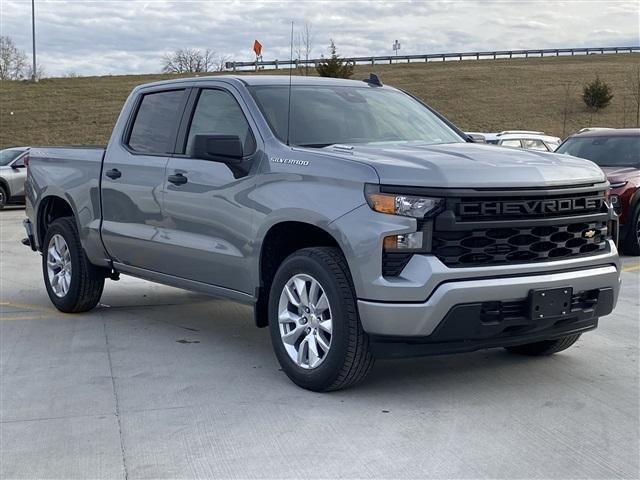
(391, 59)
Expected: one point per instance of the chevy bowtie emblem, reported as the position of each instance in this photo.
(589, 233)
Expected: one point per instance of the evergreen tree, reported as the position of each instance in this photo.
(334, 66)
(596, 95)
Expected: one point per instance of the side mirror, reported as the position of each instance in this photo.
(218, 148)
(18, 165)
(476, 138)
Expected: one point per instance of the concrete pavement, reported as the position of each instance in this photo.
(162, 383)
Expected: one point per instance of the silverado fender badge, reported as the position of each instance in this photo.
(289, 161)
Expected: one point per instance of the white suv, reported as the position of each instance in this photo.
(526, 139)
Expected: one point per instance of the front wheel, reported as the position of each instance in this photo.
(314, 324)
(73, 283)
(3, 197)
(546, 347)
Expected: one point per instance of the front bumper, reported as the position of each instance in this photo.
(420, 319)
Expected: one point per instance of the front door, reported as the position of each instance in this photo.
(209, 222)
(133, 178)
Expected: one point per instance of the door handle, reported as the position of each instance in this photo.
(178, 179)
(113, 173)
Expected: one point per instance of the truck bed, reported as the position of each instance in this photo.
(72, 173)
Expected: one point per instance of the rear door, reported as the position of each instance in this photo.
(133, 177)
(209, 219)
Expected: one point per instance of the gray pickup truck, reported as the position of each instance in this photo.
(358, 222)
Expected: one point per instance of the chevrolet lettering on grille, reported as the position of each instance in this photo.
(532, 207)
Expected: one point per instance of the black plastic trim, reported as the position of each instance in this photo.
(466, 327)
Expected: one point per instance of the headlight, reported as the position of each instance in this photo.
(405, 205)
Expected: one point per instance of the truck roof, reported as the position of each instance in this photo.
(266, 80)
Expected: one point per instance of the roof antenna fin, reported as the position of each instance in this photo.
(373, 80)
(290, 74)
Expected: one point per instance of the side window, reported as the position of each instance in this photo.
(218, 113)
(154, 127)
(534, 145)
(511, 143)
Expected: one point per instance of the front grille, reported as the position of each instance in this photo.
(496, 246)
(520, 227)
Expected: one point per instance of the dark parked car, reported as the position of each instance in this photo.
(617, 152)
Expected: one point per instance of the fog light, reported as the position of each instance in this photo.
(405, 241)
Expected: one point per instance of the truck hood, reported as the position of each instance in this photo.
(468, 165)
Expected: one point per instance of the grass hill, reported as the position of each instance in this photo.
(484, 95)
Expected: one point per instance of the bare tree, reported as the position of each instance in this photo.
(13, 62)
(188, 60)
(221, 62)
(304, 45)
(634, 87)
(40, 73)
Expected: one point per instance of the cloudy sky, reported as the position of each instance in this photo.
(116, 37)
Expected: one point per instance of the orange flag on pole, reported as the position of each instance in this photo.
(257, 47)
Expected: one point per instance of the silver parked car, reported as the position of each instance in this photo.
(527, 139)
(13, 172)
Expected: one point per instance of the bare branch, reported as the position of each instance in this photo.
(13, 62)
(188, 60)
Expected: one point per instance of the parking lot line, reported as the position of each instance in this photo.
(631, 268)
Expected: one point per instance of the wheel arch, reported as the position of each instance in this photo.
(50, 208)
(278, 242)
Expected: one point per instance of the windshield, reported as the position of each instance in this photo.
(8, 156)
(605, 151)
(326, 115)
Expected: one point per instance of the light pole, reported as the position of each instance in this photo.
(34, 74)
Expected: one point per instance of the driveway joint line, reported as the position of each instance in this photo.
(117, 406)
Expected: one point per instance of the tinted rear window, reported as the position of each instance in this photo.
(605, 151)
(154, 127)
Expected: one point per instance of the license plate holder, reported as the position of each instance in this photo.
(550, 302)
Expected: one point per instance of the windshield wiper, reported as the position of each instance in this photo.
(315, 145)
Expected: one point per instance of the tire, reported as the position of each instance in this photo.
(348, 359)
(546, 347)
(3, 197)
(84, 282)
(631, 242)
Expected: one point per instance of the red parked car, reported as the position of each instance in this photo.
(617, 152)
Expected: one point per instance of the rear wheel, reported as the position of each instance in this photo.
(546, 347)
(72, 282)
(314, 324)
(631, 243)
(3, 197)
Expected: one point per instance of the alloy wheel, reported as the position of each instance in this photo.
(59, 265)
(305, 321)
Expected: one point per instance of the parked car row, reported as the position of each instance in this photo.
(527, 139)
